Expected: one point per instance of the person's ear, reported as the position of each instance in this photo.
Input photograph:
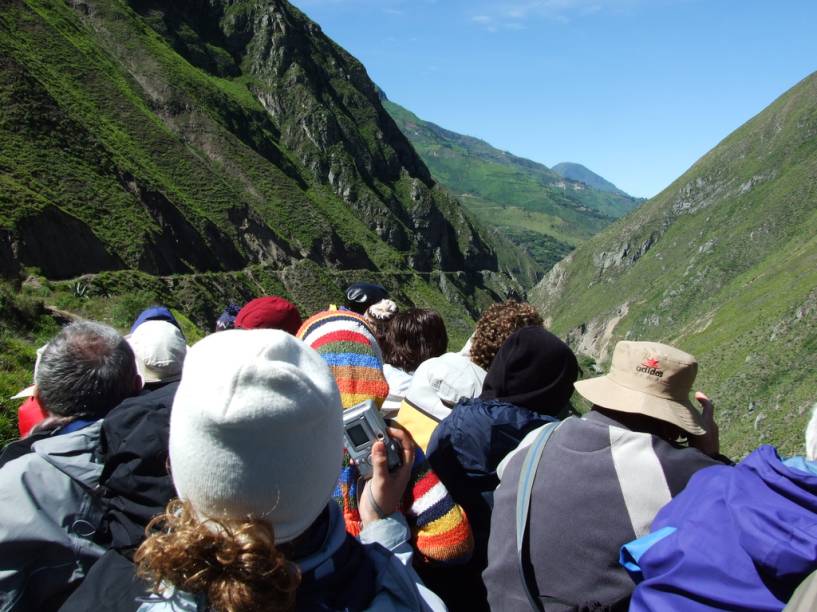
(36, 396)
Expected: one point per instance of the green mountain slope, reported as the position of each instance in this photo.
(723, 263)
(207, 136)
(187, 137)
(533, 206)
(196, 153)
(577, 172)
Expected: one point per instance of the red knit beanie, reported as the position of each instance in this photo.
(269, 312)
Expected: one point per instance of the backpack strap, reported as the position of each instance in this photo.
(523, 494)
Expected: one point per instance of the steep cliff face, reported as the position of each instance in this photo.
(723, 263)
(206, 136)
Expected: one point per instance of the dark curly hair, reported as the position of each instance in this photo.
(235, 564)
(496, 324)
(414, 335)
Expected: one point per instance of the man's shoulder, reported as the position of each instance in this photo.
(69, 454)
(491, 411)
(686, 455)
(19, 448)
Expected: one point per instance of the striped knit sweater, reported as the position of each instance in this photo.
(440, 530)
(439, 527)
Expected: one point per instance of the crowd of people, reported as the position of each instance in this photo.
(155, 476)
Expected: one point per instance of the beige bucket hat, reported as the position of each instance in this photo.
(648, 378)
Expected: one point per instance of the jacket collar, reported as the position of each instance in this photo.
(73, 453)
(341, 575)
(335, 537)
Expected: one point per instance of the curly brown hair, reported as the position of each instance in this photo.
(414, 335)
(234, 563)
(498, 322)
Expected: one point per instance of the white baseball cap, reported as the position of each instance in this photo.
(160, 350)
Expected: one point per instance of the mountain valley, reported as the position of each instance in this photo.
(536, 208)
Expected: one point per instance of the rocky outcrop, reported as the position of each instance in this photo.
(594, 337)
(55, 241)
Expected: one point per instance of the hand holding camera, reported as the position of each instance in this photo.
(363, 425)
(382, 493)
(384, 456)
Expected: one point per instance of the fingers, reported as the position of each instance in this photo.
(382, 493)
(406, 443)
(706, 404)
(380, 461)
(401, 434)
(709, 442)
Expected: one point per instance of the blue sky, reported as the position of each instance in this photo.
(636, 90)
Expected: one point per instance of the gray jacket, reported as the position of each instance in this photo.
(597, 485)
(47, 517)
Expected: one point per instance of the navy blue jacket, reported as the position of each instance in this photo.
(464, 451)
(466, 448)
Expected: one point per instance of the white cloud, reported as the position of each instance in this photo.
(512, 14)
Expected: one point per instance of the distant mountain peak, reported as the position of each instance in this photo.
(578, 172)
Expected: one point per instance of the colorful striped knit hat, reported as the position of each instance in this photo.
(347, 344)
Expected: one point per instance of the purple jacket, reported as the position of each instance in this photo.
(737, 538)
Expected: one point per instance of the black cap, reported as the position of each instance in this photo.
(360, 296)
(533, 369)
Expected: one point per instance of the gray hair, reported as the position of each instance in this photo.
(87, 369)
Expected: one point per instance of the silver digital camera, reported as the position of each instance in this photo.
(362, 427)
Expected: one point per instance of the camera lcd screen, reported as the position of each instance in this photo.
(357, 434)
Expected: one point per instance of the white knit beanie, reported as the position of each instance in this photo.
(256, 430)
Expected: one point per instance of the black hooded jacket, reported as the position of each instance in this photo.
(135, 486)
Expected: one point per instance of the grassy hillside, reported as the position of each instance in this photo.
(533, 206)
(723, 264)
(181, 137)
